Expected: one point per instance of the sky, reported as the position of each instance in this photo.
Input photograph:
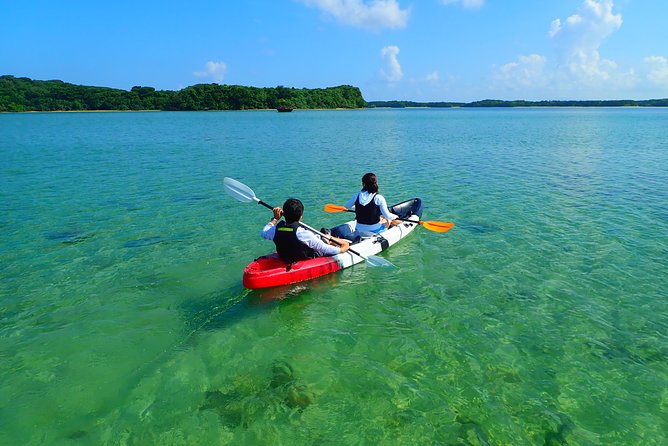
(417, 50)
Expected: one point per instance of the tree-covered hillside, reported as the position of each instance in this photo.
(23, 94)
(18, 94)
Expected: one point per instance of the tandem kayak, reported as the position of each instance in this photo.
(270, 271)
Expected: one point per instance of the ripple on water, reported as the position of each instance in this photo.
(539, 319)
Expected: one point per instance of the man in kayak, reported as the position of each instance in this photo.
(371, 213)
(294, 242)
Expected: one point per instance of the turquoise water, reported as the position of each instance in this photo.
(541, 318)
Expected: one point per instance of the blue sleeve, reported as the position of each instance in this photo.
(380, 201)
(352, 201)
(268, 231)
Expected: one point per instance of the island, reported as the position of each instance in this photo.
(521, 103)
(20, 94)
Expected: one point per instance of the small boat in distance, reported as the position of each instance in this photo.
(284, 109)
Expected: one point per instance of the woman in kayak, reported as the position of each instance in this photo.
(294, 242)
(371, 212)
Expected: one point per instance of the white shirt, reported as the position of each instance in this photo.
(306, 237)
(365, 198)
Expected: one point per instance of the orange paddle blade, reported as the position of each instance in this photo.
(335, 208)
(437, 226)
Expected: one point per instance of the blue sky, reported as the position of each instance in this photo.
(421, 50)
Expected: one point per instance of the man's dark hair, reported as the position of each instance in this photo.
(292, 210)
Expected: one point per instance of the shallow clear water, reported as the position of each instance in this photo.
(541, 318)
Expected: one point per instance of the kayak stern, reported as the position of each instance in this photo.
(270, 271)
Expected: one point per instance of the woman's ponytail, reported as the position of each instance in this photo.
(369, 183)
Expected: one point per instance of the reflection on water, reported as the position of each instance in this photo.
(540, 319)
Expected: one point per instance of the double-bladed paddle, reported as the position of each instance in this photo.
(245, 194)
(436, 226)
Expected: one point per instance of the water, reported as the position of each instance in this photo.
(541, 318)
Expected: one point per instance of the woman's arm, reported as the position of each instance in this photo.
(351, 202)
(380, 201)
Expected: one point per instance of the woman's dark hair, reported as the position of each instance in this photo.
(369, 183)
(292, 210)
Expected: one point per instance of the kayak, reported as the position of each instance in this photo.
(270, 271)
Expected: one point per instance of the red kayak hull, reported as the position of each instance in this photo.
(270, 271)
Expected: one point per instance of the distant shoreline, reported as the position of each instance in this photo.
(19, 95)
(158, 111)
(493, 103)
(520, 107)
(358, 109)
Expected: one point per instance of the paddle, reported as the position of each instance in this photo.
(436, 226)
(245, 194)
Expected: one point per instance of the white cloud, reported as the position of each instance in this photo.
(579, 69)
(658, 70)
(391, 70)
(527, 72)
(214, 70)
(432, 77)
(374, 14)
(468, 4)
(579, 38)
(555, 27)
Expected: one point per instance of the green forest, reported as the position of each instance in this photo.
(19, 94)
